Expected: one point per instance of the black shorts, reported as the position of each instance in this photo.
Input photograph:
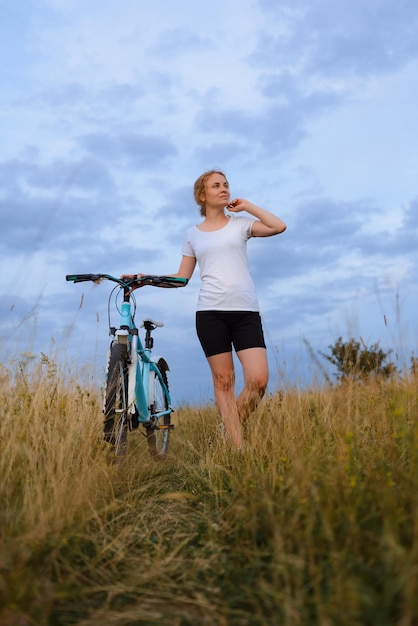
(218, 331)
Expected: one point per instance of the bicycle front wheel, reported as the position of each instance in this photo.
(116, 401)
(158, 432)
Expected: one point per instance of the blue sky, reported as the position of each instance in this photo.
(111, 110)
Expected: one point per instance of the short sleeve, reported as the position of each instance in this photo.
(247, 226)
(187, 249)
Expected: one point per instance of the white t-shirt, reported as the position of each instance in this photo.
(221, 254)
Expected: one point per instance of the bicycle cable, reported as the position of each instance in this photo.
(118, 309)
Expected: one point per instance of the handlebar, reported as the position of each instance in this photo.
(154, 281)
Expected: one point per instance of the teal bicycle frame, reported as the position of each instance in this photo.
(136, 380)
(142, 363)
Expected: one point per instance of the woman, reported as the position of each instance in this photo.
(227, 310)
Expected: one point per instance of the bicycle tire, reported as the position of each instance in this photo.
(115, 431)
(158, 434)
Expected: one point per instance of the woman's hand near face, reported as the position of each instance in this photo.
(239, 204)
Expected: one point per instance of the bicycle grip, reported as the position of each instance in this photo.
(79, 278)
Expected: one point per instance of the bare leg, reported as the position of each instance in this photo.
(256, 374)
(222, 367)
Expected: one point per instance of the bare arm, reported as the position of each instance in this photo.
(186, 269)
(266, 224)
(187, 265)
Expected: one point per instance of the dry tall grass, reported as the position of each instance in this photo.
(314, 523)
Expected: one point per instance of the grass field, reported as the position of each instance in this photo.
(314, 523)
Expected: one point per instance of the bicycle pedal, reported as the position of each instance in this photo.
(165, 427)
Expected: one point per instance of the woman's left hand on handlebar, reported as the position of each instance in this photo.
(131, 277)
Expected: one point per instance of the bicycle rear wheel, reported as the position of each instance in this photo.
(158, 433)
(115, 429)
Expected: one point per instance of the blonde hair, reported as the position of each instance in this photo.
(199, 188)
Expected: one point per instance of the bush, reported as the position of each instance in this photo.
(356, 362)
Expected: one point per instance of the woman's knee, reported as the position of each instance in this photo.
(255, 368)
(223, 373)
(257, 385)
(224, 381)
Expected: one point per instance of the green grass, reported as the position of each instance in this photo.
(315, 523)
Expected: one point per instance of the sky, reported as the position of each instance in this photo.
(111, 110)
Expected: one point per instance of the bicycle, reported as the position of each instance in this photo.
(136, 391)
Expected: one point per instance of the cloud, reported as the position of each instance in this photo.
(410, 220)
(130, 149)
(272, 132)
(179, 42)
(210, 156)
(334, 39)
(65, 95)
